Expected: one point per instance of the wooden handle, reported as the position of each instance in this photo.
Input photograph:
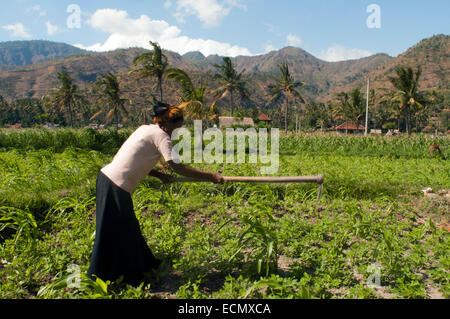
(252, 179)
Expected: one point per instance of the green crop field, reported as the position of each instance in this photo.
(233, 240)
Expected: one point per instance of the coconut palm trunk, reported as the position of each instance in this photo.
(231, 102)
(408, 120)
(286, 104)
(160, 88)
(70, 115)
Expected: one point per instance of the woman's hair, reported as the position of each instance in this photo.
(167, 113)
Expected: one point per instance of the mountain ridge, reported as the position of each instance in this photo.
(21, 53)
(324, 78)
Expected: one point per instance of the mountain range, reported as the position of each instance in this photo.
(28, 69)
(20, 53)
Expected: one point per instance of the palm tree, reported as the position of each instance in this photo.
(5, 110)
(350, 107)
(405, 93)
(192, 99)
(66, 96)
(286, 87)
(339, 110)
(153, 64)
(231, 83)
(110, 99)
(317, 114)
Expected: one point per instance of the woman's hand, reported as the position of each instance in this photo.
(217, 178)
(165, 178)
(191, 172)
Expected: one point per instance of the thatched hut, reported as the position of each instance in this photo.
(264, 118)
(349, 127)
(228, 121)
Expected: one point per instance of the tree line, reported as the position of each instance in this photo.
(403, 106)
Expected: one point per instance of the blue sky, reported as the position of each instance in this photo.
(329, 29)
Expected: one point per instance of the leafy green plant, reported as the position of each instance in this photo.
(20, 222)
(262, 240)
(279, 287)
(84, 286)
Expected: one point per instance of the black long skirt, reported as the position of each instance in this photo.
(119, 247)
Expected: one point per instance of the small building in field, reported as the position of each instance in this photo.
(93, 126)
(376, 131)
(264, 118)
(349, 127)
(428, 129)
(228, 121)
(15, 126)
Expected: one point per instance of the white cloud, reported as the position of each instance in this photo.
(17, 30)
(273, 29)
(51, 29)
(268, 46)
(338, 53)
(210, 12)
(235, 3)
(167, 4)
(37, 8)
(126, 32)
(293, 40)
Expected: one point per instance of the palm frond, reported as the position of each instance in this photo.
(110, 115)
(95, 115)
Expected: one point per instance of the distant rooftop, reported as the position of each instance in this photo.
(227, 121)
(263, 117)
(350, 126)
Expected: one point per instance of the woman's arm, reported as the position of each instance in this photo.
(188, 171)
(165, 178)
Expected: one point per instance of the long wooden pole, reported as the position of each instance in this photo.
(258, 179)
(251, 179)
